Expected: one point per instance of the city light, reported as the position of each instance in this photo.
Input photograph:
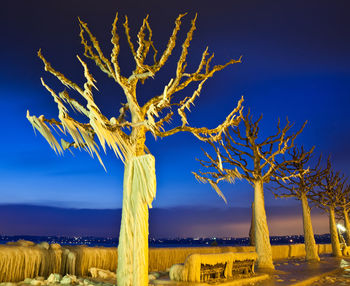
(341, 227)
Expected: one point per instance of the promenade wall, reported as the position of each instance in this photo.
(28, 260)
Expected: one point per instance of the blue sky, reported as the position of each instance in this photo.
(296, 63)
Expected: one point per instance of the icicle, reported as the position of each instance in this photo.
(40, 125)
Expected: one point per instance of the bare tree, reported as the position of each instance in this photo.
(127, 137)
(328, 199)
(299, 187)
(344, 209)
(244, 155)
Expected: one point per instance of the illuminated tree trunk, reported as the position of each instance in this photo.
(138, 192)
(310, 244)
(252, 230)
(347, 226)
(334, 234)
(262, 237)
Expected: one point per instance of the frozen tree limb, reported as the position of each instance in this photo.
(101, 61)
(330, 188)
(239, 149)
(39, 124)
(206, 134)
(295, 178)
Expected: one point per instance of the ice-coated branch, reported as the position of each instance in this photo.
(108, 133)
(171, 43)
(115, 51)
(284, 144)
(74, 104)
(176, 85)
(202, 73)
(181, 64)
(295, 178)
(220, 170)
(344, 200)
(204, 133)
(149, 117)
(240, 154)
(101, 61)
(213, 179)
(263, 155)
(152, 109)
(65, 81)
(39, 124)
(329, 195)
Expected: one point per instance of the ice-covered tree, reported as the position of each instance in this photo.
(344, 209)
(245, 155)
(251, 229)
(328, 198)
(126, 133)
(299, 187)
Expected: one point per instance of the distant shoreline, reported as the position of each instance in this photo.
(163, 242)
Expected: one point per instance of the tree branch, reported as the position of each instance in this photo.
(205, 134)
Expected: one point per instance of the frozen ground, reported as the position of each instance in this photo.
(296, 272)
(340, 278)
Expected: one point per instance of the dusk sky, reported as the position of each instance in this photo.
(295, 63)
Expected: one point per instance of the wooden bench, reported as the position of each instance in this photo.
(214, 267)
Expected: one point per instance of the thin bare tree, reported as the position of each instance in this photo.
(298, 187)
(244, 155)
(127, 137)
(328, 199)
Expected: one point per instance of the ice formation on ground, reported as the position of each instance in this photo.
(20, 262)
(101, 273)
(87, 257)
(56, 279)
(190, 271)
(161, 259)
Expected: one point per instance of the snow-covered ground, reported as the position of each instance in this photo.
(98, 277)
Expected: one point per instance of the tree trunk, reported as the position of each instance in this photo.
(310, 244)
(347, 226)
(262, 237)
(334, 234)
(138, 192)
(252, 230)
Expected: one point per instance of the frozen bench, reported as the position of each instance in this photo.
(212, 267)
